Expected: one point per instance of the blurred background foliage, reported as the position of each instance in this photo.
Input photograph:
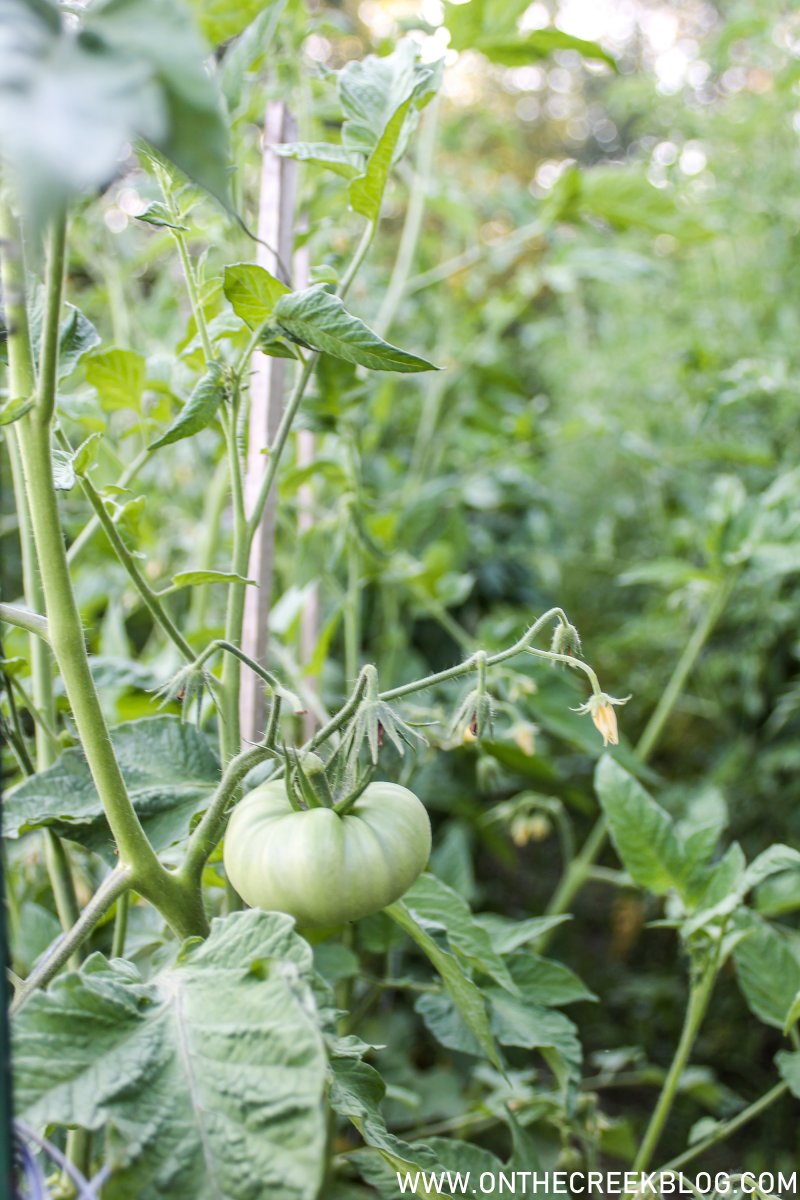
(607, 268)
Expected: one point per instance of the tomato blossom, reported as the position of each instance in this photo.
(600, 707)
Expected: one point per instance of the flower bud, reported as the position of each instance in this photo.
(566, 640)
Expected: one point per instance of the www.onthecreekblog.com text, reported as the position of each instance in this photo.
(777, 1184)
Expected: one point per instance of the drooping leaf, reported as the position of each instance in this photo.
(437, 906)
(193, 578)
(318, 319)
(158, 214)
(252, 292)
(366, 191)
(642, 832)
(517, 50)
(199, 410)
(77, 337)
(119, 377)
(12, 410)
(336, 158)
(356, 1093)
(768, 972)
(170, 771)
(465, 995)
(788, 1063)
(207, 1077)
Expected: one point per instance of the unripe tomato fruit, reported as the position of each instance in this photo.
(322, 868)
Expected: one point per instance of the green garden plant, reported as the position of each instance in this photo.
(360, 1023)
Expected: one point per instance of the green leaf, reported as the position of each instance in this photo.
(624, 198)
(788, 1063)
(205, 1078)
(219, 20)
(12, 410)
(517, 50)
(159, 215)
(544, 981)
(170, 771)
(517, 1022)
(372, 89)
(793, 1015)
(320, 320)
(468, 22)
(193, 578)
(642, 832)
(768, 972)
(252, 292)
(84, 457)
(77, 337)
(163, 39)
(336, 158)
(508, 935)
(465, 995)
(199, 410)
(356, 1093)
(71, 98)
(366, 192)
(118, 376)
(436, 906)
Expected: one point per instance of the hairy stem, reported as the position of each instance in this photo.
(206, 835)
(150, 599)
(726, 1128)
(22, 382)
(230, 725)
(699, 997)
(23, 618)
(93, 524)
(66, 632)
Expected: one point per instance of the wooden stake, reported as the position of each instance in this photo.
(267, 388)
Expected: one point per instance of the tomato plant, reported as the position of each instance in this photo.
(355, 360)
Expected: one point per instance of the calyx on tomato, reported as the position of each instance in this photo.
(326, 867)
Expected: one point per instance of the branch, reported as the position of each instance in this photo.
(114, 884)
(23, 618)
(206, 835)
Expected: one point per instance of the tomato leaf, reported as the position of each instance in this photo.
(517, 50)
(170, 771)
(768, 972)
(466, 997)
(366, 191)
(437, 906)
(220, 1055)
(320, 320)
(193, 578)
(788, 1063)
(118, 376)
(12, 410)
(199, 410)
(336, 158)
(252, 292)
(643, 834)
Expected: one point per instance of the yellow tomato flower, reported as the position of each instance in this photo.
(600, 707)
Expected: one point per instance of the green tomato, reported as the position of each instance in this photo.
(322, 868)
